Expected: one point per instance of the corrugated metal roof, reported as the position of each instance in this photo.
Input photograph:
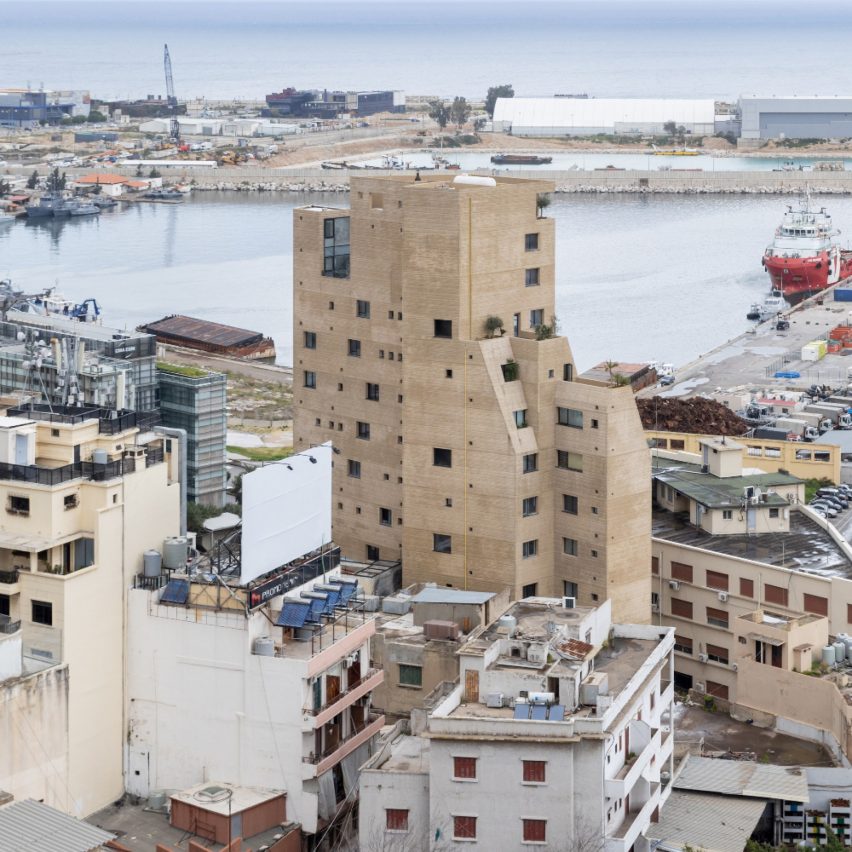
(451, 596)
(27, 826)
(707, 822)
(602, 112)
(742, 778)
(178, 327)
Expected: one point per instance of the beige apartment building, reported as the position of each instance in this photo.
(83, 496)
(728, 542)
(424, 348)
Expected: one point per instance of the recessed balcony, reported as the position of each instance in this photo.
(372, 679)
(316, 764)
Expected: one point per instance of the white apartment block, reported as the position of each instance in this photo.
(558, 734)
(267, 685)
(84, 494)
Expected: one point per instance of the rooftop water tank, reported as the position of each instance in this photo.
(828, 655)
(100, 456)
(474, 180)
(264, 646)
(175, 552)
(152, 563)
(507, 623)
(839, 652)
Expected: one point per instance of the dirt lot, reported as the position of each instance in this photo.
(722, 734)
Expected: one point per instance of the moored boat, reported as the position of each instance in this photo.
(520, 160)
(805, 256)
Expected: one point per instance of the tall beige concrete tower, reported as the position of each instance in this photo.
(424, 349)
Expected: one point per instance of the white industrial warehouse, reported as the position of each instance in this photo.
(589, 116)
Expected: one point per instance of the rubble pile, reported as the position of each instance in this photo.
(696, 415)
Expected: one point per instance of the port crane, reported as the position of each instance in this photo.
(174, 125)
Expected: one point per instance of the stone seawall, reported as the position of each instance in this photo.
(257, 179)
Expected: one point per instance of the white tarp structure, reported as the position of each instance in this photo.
(588, 116)
(286, 511)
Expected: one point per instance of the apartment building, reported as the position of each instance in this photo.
(84, 495)
(271, 684)
(425, 349)
(195, 399)
(558, 733)
(729, 541)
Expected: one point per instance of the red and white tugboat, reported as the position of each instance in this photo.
(805, 256)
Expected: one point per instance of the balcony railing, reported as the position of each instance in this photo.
(8, 626)
(355, 730)
(9, 577)
(109, 421)
(315, 711)
(96, 471)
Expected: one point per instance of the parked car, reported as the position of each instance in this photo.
(830, 511)
(667, 380)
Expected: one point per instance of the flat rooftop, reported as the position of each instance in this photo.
(225, 798)
(807, 547)
(533, 616)
(717, 492)
(140, 830)
(407, 754)
(620, 661)
(85, 330)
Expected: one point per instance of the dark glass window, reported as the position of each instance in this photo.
(443, 328)
(335, 260)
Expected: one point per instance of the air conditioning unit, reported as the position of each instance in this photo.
(494, 699)
(702, 658)
(655, 607)
(673, 584)
(569, 603)
(723, 596)
(699, 687)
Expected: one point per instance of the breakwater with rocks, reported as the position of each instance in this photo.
(679, 182)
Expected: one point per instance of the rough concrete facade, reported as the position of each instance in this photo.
(395, 340)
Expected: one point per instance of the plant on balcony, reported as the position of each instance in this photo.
(492, 325)
(545, 331)
(511, 370)
(542, 202)
(631, 757)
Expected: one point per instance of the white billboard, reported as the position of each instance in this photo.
(286, 511)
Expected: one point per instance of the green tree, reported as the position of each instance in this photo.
(670, 128)
(460, 111)
(542, 202)
(494, 92)
(439, 112)
(197, 514)
(78, 119)
(154, 173)
(32, 180)
(95, 116)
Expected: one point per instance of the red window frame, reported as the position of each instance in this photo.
(464, 767)
(464, 827)
(396, 819)
(535, 830)
(535, 771)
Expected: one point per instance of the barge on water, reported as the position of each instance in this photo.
(214, 337)
(520, 160)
